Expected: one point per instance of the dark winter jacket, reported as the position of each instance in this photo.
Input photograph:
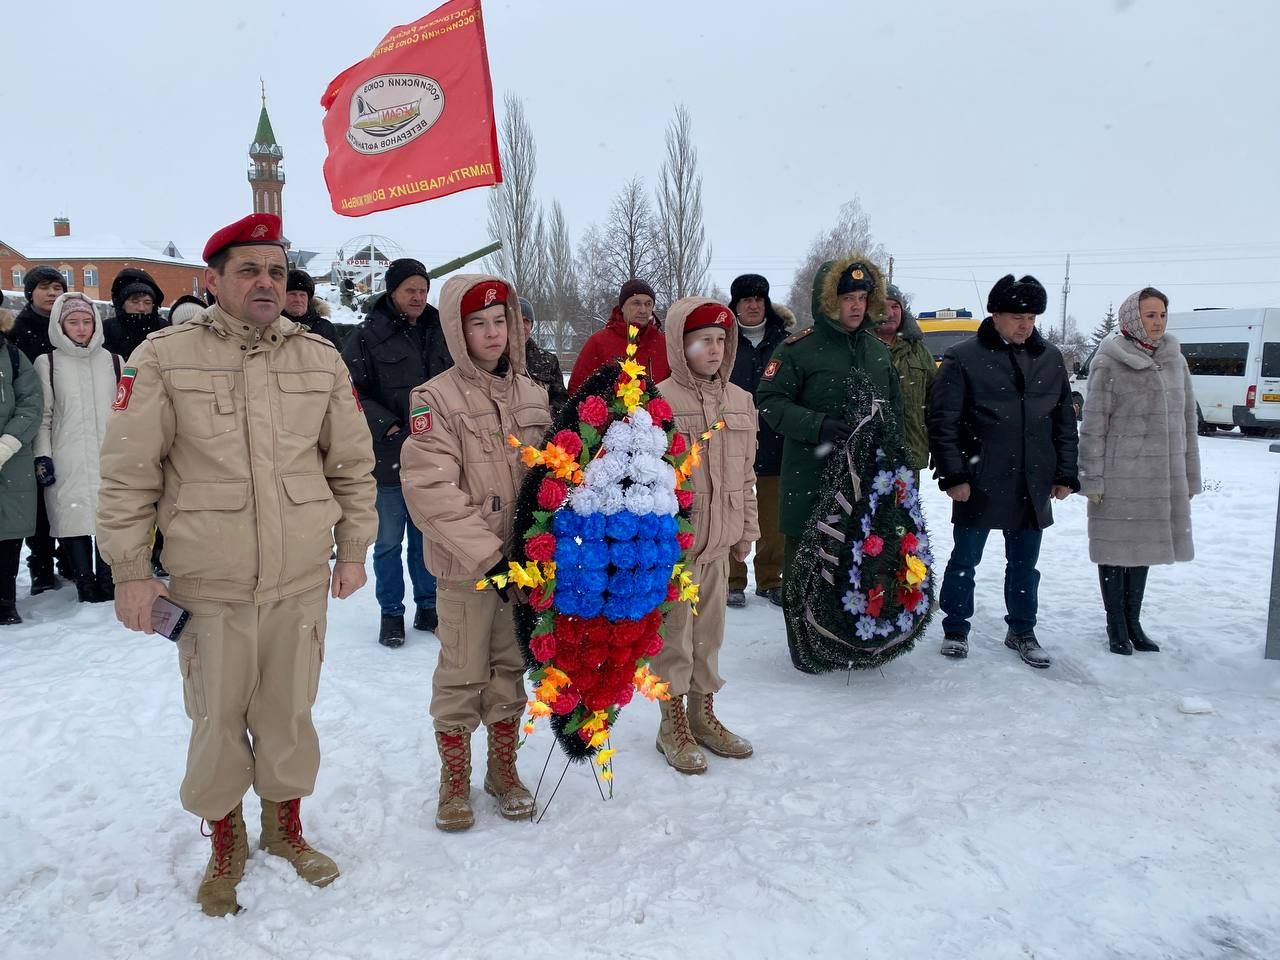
(124, 333)
(748, 368)
(388, 358)
(544, 368)
(30, 333)
(805, 382)
(21, 405)
(916, 372)
(313, 322)
(611, 344)
(1001, 420)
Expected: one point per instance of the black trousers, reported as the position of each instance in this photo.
(41, 544)
(81, 555)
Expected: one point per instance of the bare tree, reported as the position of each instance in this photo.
(629, 242)
(851, 234)
(685, 252)
(597, 291)
(561, 310)
(513, 211)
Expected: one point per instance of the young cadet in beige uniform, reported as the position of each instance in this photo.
(701, 343)
(237, 432)
(460, 480)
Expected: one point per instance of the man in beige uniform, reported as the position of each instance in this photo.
(238, 434)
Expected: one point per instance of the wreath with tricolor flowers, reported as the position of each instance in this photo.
(602, 531)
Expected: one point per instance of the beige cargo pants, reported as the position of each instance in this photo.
(690, 655)
(250, 673)
(479, 677)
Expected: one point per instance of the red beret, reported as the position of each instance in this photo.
(483, 295)
(709, 315)
(255, 228)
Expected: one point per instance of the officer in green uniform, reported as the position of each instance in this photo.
(802, 392)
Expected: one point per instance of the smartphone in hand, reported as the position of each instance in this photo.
(168, 619)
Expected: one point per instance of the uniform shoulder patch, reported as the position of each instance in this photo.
(420, 420)
(124, 388)
(797, 337)
(771, 368)
(315, 337)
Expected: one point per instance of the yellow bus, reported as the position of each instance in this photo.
(943, 329)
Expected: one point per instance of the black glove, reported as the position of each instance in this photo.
(500, 567)
(834, 431)
(44, 471)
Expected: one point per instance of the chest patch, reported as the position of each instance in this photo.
(124, 389)
(770, 369)
(420, 420)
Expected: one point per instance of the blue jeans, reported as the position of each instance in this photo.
(1021, 579)
(388, 568)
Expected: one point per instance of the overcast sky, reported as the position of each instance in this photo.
(1142, 136)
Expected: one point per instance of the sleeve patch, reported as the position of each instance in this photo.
(354, 392)
(124, 389)
(420, 420)
(771, 368)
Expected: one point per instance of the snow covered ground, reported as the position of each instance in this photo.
(936, 810)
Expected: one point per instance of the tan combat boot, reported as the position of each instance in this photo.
(675, 741)
(217, 893)
(501, 779)
(282, 837)
(708, 731)
(454, 810)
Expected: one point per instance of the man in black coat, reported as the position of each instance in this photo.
(543, 366)
(761, 327)
(137, 299)
(1002, 432)
(300, 306)
(42, 286)
(399, 346)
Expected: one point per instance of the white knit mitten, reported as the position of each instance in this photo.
(9, 445)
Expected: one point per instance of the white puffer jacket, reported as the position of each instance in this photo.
(77, 400)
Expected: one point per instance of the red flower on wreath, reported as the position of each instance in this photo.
(660, 410)
(566, 703)
(685, 540)
(543, 646)
(678, 444)
(872, 546)
(673, 593)
(913, 600)
(541, 599)
(551, 494)
(684, 497)
(541, 548)
(569, 442)
(875, 601)
(593, 411)
(909, 543)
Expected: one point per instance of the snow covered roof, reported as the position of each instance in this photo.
(98, 248)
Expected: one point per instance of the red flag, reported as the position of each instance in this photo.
(413, 121)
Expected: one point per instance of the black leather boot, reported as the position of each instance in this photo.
(1135, 587)
(391, 633)
(8, 603)
(1111, 580)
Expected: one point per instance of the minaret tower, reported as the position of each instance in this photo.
(265, 175)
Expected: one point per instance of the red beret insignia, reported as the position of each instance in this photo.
(253, 229)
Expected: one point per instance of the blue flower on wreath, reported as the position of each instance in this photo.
(883, 483)
(907, 477)
(905, 621)
(910, 499)
(884, 627)
(856, 554)
(866, 525)
(866, 628)
(855, 602)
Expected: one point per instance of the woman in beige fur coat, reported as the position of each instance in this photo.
(1139, 462)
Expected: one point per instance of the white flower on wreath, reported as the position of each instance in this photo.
(611, 500)
(866, 628)
(905, 621)
(639, 499)
(646, 468)
(883, 482)
(855, 602)
(585, 501)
